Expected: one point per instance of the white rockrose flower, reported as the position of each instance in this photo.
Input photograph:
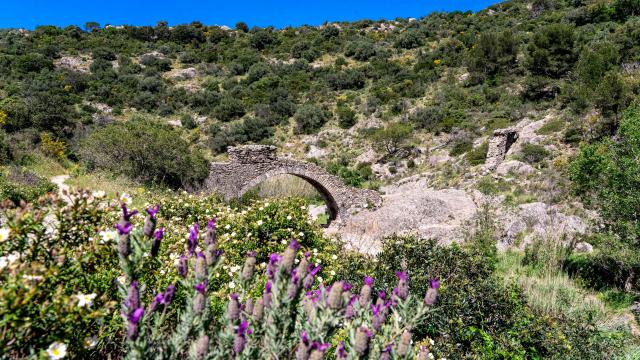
(4, 234)
(126, 199)
(85, 300)
(57, 350)
(108, 236)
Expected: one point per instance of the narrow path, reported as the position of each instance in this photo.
(59, 181)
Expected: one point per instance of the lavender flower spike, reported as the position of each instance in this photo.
(182, 266)
(150, 221)
(365, 292)
(192, 242)
(402, 291)
(134, 318)
(210, 236)
(155, 243)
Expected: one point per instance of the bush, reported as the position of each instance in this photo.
(551, 51)
(346, 116)
(409, 39)
(18, 185)
(392, 137)
(146, 151)
(309, 119)
(533, 153)
(478, 155)
(252, 129)
(229, 108)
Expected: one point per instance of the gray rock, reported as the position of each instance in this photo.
(184, 74)
(499, 145)
(583, 248)
(514, 167)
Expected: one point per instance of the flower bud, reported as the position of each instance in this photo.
(202, 347)
(365, 292)
(303, 347)
(192, 241)
(182, 266)
(249, 266)
(402, 291)
(199, 303)
(238, 343)
(430, 297)
(258, 310)
(149, 225)
(405, 343)
(363, 335)
(210, 236)
(169, 294)
(155, 243)
(233, 308)
(335, 296)
(201, 267)
(248, 306)
(290, 255)
(213, 254)
(124, 245)
(266, 297)
(133, 296)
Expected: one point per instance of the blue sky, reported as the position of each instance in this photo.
(279, 13)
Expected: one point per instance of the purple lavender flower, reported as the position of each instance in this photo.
(402, 290)
(317, 350)
(341, 352)
(361, 345)
(124, 229)
(155, 243)
(272, 266)
(233, 308)
(249, 266)
(201, 287)
(192, 242)
(126, 214)
(133, 296)
(386, 352)
(169, 293)
(183, 267)
(200, 266)
(202, 347)
(210, 236)
(435, 283)
(240, 340)
(152, 211)
(312, 272)
(365, 292)
(335, 296)
(157, 300)
(290, 255)
(134, 318)
(405, 343)
(266, 297)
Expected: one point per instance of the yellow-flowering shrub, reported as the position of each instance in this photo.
(52, 147)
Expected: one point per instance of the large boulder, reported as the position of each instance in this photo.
(514, 167)
(410, 208)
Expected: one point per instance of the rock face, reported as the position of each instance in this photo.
(410, 208)
(252, 164)
(499, 145)
(184, 74)
(514, 167)
(537, 221)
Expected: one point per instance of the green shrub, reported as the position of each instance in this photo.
(17, 184)
(461, 147)
(309, 119)
(229, 109)
(478, 155)
(551, 51)
(533, 153)
(346, 116)
(144, 150)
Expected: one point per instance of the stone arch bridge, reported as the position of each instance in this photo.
(250, 165)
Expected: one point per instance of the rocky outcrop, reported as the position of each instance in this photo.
(499, 145)
(250, 165)
(410, 209)
(514, 167)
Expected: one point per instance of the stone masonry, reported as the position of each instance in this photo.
(499, 145)
(250, 165)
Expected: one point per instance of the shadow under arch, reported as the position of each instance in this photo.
(332, 205)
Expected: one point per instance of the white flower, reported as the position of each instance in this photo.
(32, 277)
(85, 300)
(57, 350)
(430, 356)
(334, 257)
(125, 199)
(108, 236)
(90, 342)
(431, 342)
(303, 207)
(259, 222)
(283, 242)
(320, 279)
(333, 273)
(233, 234)
(227, 227)
(232, 285)
(315, 251)
(289, 217)
(4, 234)
(98, 194)
(123, 279)
(296, 261)
(261, 209)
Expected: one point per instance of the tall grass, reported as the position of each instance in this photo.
(283, 186)
(549, 290)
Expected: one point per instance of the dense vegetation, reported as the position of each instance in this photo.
(444, 72)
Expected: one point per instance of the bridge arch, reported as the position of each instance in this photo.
(250, 165)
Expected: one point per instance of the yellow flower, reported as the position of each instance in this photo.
(437, 61)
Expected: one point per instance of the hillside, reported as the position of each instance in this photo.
(504, 145)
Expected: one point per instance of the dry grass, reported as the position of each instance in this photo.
(110, 184)
(287, 186)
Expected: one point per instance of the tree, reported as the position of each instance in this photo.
(392, 137)
(242, 26)
(626, 8)
(309, 119)
(611, 97)
(91, 26)
(551, 51)
(492, 53)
